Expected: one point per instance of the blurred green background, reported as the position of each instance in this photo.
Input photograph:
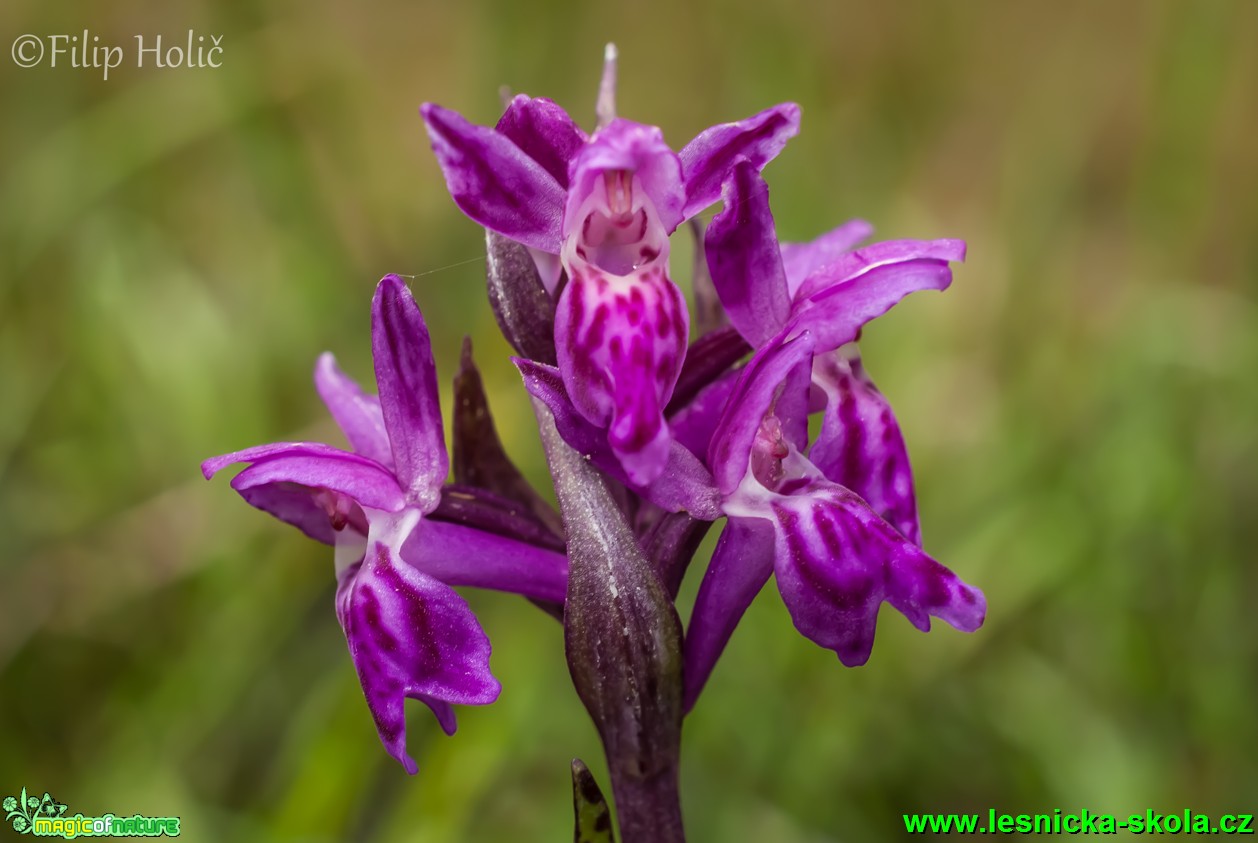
(1082, 407)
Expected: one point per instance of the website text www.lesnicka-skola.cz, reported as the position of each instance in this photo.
(1080, 822)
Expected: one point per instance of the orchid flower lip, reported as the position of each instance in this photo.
(835, 558)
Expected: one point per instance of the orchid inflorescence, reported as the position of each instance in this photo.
(651, 437)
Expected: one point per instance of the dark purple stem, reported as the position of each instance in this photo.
(622, 637)
(649, 809)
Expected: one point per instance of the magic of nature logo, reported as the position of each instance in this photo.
(44, 816)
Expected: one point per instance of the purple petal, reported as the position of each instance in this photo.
(836, 561)
(708, 159)
(214, 465)
(693, 425)
(356, 413)
(743, 257)
(444, 712)
(292, 504)
(494, 182)
(740, 566)
(632, 147)
(366, 485)
(919, 587)
(708, 359)
(544, 132)
(683, 486)
(849, 266)
(546, 383)
(803, 259)
(639, 435)
(620, 343)
(458, 555)
(835, 314)
(830, 575)
(407, 378)
(411, 636)
(775, 366)
(860, 445)
(314, 466)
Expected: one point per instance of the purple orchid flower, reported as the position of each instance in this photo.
(410, 634)
(601, 208)
(831, 289)
(836, 560)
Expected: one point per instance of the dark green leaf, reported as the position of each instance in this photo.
(593, 819)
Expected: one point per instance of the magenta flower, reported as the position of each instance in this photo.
(409, 633)
(649, 439)
(835, 559)
(831, 290)
(601, 208)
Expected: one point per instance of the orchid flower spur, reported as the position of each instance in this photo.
(835, 559)
(601, 208)
(410, 634)
(830, 289)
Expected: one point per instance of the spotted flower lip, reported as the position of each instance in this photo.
(836, 560)
(830, 288)
(410, 635)
(684, 486)
(600, 208)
